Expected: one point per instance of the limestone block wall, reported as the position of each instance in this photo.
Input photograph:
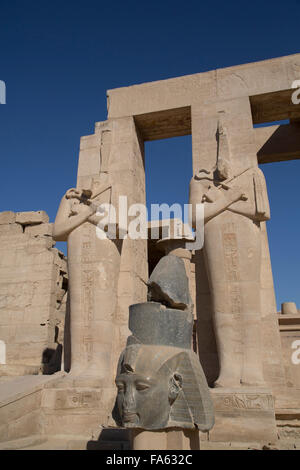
(33, 285)
(289, 326)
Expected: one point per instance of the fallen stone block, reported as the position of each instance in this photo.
(7, 217)
(32, 218)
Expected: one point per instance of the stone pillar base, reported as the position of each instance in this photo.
(168, 439)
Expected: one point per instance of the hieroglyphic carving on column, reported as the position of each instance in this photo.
(87, 287)
(232, 266)
(231, 256)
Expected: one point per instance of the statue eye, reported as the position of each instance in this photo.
(142, 386)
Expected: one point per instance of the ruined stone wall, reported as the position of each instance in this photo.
(289, 326)
(33, 286)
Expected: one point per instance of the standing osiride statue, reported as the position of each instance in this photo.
(235, 204)
(93, 266)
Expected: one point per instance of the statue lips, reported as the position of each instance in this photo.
(130, 417)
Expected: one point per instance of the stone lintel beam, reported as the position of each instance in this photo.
(165, 124)
(275, 106)
(207, 87)
(278, 143)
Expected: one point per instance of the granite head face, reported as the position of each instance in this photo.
(162, 387)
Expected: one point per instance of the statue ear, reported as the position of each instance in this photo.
(175, 385)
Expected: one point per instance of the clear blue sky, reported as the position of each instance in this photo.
(59, 58)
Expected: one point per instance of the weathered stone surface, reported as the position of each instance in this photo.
(168, 283)
(7, 217)
(32, 218)
(39, 230)
(10, 229)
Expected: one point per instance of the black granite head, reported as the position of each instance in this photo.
(159, 379)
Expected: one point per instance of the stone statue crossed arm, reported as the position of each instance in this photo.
(220, 201)
(76, 207)
(72, 212)
(249, 198)
(257, 205)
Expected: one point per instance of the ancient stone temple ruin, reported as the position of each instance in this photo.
(197, 327)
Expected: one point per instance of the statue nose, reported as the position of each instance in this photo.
(129, 400)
